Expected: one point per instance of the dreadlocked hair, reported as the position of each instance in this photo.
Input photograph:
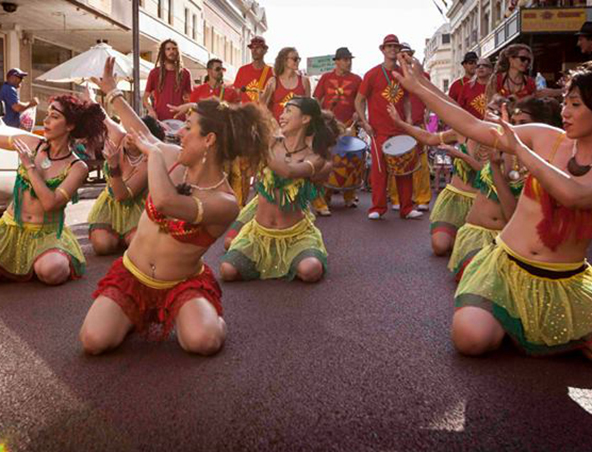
(241, 130)
(86, 117)
(160, 63)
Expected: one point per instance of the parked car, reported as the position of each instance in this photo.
(8, 166)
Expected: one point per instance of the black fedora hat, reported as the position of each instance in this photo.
(470, 56)
(342, 52)
(586, 29)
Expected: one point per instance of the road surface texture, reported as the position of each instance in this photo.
(359, 362)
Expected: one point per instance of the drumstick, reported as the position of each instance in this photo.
(376, 152)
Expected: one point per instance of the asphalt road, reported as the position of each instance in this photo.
(359, 362)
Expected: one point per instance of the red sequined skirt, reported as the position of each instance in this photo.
(153, 311)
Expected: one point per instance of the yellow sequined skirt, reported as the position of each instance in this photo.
(21, 246)
(450, 210)
(118, 217)
(545, 308)
(262, 253)
(470, 238)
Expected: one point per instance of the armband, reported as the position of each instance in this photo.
(200, 210)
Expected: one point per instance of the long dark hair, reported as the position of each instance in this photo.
(280, 60)
(86, 117)
(323, 135)
(241, 130)
(160, 63)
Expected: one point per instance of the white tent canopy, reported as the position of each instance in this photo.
(91, 64)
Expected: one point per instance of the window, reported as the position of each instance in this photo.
(2, 55)
(171, 12)
(445, 83)
(46, 56)
(187, 24)
(446, 38)
(194, 31)
(160, 9)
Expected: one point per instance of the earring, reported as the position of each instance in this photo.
(205, 157)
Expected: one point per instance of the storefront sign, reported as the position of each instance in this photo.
(319, 65)
(552, 20)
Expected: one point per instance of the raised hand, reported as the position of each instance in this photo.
(143, 143)
(411, 72)
(506, 138)
(108, 81)
(394, 114)
(24, 152)
(180, 110)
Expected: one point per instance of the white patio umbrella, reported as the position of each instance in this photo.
(91, 64)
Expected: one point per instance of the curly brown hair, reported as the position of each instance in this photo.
(503, 65)
(241, 130)
(86, 117)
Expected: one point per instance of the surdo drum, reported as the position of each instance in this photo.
(349, 163)
(401, 155)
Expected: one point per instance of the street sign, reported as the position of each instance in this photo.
(319, 65)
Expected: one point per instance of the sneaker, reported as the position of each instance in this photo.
(324, 213)
(423, 207)
(414, 215)
(396, 206)
(374, 216)
(353, 203)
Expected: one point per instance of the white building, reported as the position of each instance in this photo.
(438, 58)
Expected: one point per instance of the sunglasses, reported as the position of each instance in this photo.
(524, 59)
(296, 59)
(484, 65)
(219, 68)
(470, 62)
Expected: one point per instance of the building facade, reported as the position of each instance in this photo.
(41, 34)
(438, 58)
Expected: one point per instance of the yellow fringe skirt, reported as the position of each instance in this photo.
(262, 253)
(450, 210)
(469, 241)
(118, 217)
(545, 308)
(22, 245)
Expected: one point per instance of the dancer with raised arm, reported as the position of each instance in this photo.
(33, 237)
(534, 283)
(281, 240)
(161, 282)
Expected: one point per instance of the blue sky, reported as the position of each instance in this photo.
(319, 27)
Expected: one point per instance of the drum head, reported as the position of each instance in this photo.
(347, 144)
(172, 126)
(399, 145)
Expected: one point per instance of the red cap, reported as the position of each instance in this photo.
(257, 41)
(389, 39)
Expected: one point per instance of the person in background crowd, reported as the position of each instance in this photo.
(510, 77)
(422, 191)
(379, 89)
(286, 83)
(215, 86)
(336, 91)
(585, 39)
(252, 78)
(472, 96)
(9, 94)
(469, 64)
(169, 83)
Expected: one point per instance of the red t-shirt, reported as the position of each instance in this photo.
(418, 108)
(338, 94)
(169, 94)
(281, 96)
(457, 87)
(250, 82)
(205, 91)
(472, 98)
(528, 89)
(379, 93)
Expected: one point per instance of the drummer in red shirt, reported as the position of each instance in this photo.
(252, 78)
(472, 97)
(336, 91)
(379, 89)
(215, 86)
(469, 64)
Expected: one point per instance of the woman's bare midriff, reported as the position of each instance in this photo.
(486, 213)
(271, 216)
(31, 211)
(522, 237)
(160, 256)
(457, 182)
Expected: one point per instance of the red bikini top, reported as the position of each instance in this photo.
(559, 222)
(183, 231)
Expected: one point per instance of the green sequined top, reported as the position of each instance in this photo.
(484, 183)
(288, 194)
(462, 169)
(23, 183)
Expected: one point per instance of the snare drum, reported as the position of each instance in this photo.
(349, 163)
(401, 155)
